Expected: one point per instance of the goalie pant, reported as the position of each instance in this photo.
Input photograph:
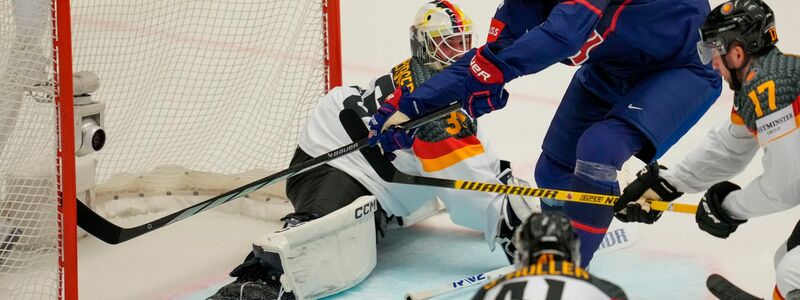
(772, 126)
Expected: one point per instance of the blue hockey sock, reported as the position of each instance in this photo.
(590, 220)
(596, 172)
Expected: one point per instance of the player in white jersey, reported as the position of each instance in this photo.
(331, 200)
(739, 39)
(548, 266)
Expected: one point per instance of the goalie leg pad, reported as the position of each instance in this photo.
(506, 212)
(422, 213)
(325, 255)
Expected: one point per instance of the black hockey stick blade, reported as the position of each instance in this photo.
(111, 233)
(726, 290)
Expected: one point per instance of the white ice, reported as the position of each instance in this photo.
(190, 259)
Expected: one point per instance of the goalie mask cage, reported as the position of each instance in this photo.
(200, 97)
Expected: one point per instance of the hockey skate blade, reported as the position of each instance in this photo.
(725, 290)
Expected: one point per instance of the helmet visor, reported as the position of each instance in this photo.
(707, 50)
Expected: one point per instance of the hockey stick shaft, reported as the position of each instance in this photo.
(459, 284)
(561, 195)
(389, 173)
(110, 233)
(554, 194)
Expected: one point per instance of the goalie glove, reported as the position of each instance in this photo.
(711, 217)
(632, 205)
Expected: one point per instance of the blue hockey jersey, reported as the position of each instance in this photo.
(618, 38)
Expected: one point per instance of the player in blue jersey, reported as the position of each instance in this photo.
(639, 88)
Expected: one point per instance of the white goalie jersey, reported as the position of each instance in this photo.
(445, 148)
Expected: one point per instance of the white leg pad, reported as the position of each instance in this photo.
(424, 212)
(329, 254)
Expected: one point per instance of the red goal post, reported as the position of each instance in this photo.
(195, 98)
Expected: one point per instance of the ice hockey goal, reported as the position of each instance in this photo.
(194, 97)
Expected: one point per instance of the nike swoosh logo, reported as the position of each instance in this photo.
(630, 106)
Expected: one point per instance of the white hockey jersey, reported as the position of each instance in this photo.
(447, 150)
(550, 279)
(727, 150)
(765, 114)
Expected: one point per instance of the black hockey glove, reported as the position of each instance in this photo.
(252, 270)
(711, 217)
(647, 186)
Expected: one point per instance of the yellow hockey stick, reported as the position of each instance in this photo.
(355, 128)
(530, 191)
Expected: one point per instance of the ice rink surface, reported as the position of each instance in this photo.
(190, 259)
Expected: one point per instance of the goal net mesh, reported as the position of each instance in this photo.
(201, 97)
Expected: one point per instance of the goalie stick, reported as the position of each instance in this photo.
(389, 173)
(726, 290)
(111, 233)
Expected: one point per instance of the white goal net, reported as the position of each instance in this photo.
(200, 97)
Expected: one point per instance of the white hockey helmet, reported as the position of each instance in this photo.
(441, 33)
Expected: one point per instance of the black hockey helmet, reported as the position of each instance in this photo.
(546, 233)
(749, 22)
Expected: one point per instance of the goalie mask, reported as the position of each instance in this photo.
(441, 34)
(546, 233)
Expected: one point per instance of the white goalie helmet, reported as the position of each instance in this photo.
(441, 34)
